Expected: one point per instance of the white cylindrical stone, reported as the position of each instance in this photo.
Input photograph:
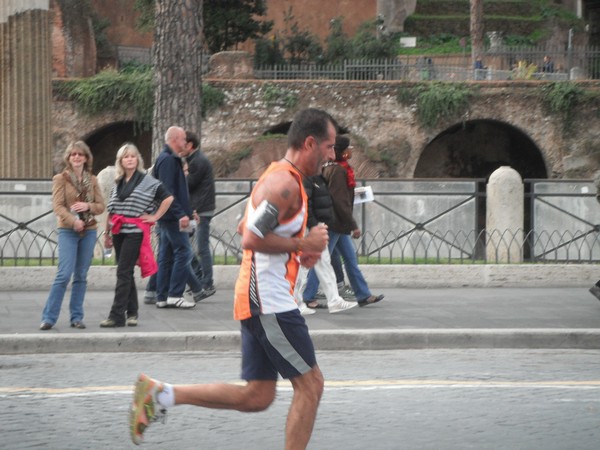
(504, 216)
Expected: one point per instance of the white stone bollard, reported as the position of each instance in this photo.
(504, 216)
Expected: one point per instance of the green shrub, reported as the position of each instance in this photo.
(562, 98)
(436, 101)
(276, 95)
(132, 87)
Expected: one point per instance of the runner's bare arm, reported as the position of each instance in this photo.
(281, 193)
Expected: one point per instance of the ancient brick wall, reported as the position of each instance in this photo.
(381, 127)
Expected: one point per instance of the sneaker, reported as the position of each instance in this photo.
(346, 292)
(45, 326)
(132, 321)
(595, 291)
(305, 310)
(145, 409)
(204, 293)
(340, 306)
(370, 300)
(320, 294)
(179, 302)
(150, 297)
(109, 323)
(161, 303)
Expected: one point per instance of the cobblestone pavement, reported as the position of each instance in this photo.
(380, 400)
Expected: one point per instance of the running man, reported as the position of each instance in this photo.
(275, 338)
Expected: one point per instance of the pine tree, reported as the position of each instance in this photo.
(176, 57)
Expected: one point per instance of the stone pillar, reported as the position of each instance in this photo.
(25, 89)
(504, 216)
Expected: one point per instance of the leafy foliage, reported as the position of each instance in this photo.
(212, 98)
(145, 21)
(300, 45)
(436, 101)
(133, 88)
(110, 90)
(226, 22)
(229, 22)
(366, 43)
(562, 98)
(276, 95)
(524, 71)
(338, 46)
(268, 52)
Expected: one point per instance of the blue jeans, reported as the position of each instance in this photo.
(74, 259)
(174, 262)
(343, 244)
(204, 253)
(336, 263)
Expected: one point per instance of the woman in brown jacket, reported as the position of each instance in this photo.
(76, 198)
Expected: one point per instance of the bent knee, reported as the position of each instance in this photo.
(258, 403)
(258, 397)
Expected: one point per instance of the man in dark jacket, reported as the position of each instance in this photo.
(201, 186)
(320, 209)
(341, 182)
(175, 251)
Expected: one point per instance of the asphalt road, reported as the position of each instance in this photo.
(379, 400)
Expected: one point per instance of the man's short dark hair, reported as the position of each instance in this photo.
(309, 122)
(192, 137)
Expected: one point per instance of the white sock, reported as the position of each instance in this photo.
(166, 397)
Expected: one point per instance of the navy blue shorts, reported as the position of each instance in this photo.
(276, 343)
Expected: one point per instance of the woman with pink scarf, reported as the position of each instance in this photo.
(136, 202)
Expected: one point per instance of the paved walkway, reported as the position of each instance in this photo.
(406, 318)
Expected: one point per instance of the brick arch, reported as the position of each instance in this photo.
(106, 140)
(476, 148)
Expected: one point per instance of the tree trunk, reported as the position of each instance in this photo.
(477, 44)
(177, 59)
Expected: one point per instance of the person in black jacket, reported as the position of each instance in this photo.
(341, 183)
(320, 210)
(201, 186)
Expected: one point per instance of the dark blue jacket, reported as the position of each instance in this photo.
(169, 170)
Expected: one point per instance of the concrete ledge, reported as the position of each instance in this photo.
(585, 339)
(379, 276)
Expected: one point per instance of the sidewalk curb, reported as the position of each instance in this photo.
(379, 275)
(324, 340)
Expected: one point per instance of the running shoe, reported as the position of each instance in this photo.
(179, 302)
(305, 310)
(145, 409)
(340, 306)
(346, 292)
(203, 293)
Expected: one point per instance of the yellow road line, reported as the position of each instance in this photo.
(349, 384)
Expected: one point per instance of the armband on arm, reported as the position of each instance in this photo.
(264, 219)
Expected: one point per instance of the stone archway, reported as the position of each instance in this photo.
(475, 148)
(104, 143)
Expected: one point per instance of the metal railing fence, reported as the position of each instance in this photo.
(408, 222)
(500, 63)
(410, 246)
